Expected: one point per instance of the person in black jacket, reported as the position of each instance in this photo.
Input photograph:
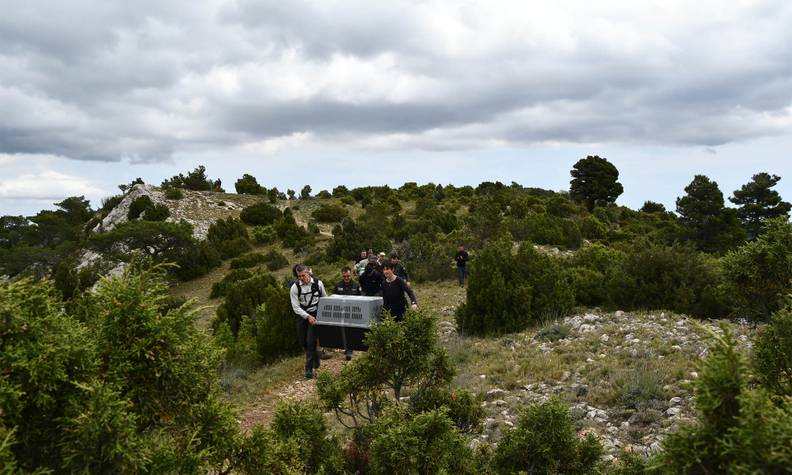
(461, 259)
(393, 290)
(347, 286)
(398, 267)
(371, 281)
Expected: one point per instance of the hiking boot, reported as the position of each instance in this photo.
(348, 355)
(308, 373)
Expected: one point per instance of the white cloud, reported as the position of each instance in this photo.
(47, 185)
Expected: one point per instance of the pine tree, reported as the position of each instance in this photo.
(594, 182)
(758, 203)
(708, 223)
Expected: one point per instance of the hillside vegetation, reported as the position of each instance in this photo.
(590, 337)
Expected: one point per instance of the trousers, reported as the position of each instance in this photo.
(306, 337)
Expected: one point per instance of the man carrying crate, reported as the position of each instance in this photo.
(347, 286)
(305, 295)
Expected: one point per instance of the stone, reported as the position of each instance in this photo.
(495, 393)
(673, 411)
(604, 338)
(675, 400)
(619, 313)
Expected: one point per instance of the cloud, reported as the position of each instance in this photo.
(47, 185)
(144, 81)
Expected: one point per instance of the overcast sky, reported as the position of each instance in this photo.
(96, 93)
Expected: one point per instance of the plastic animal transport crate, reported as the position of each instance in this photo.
(343, 320)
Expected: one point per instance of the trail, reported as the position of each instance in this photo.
(297, 389)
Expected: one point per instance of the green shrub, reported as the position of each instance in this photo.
(401, 356)
(544, 441)
(305, 425)
(350, 237)
(194, 260)
(274, 260)
(772, 356)
(172, 193)
(421, 443)
(260, 214)
(229, 237)
(143, 206)
(490, 304)
(275, 325)
(677, 278)
(463, 408)
(248, 185)
(554, 332)
(592, 228)
(219, 288)
(635, 386)
(123, 392)
(507, 293)
(290, 233)
(264, 234)
(242, 298)
(329, 213)
(757, 275)
(247, 260)
(545, 229)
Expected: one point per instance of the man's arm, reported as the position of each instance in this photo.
(295, 302)
(410, 292)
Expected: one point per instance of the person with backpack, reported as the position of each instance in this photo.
(304, 296)
(347, 286)
(393, 290)
(371, 281)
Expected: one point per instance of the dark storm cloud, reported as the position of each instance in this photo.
(143, 80)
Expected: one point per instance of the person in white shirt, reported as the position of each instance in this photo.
(305, 295)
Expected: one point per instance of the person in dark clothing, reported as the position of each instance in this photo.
(347, 286)
(393, 290)
(371, 281)
(461, 259)
(398, 267)
(304, 296)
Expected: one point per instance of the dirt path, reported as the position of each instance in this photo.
(298, 389)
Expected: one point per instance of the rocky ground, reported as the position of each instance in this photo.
(626, 376)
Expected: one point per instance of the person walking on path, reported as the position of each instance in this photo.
(461, 259)
(347, 286)
(304, 296)
(371, 281)
(398, 267)
(393, 290)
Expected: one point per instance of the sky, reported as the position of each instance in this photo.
(96, 93)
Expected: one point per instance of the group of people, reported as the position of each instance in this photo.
(386, 278)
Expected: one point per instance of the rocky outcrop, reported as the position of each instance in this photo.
(199, 208)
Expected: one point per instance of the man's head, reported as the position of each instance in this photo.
(303, 273)
(387, 269)
(461, 247)
(346, 274)
(394, 257)
(381, 257)
(363, 254)
(369, 268)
